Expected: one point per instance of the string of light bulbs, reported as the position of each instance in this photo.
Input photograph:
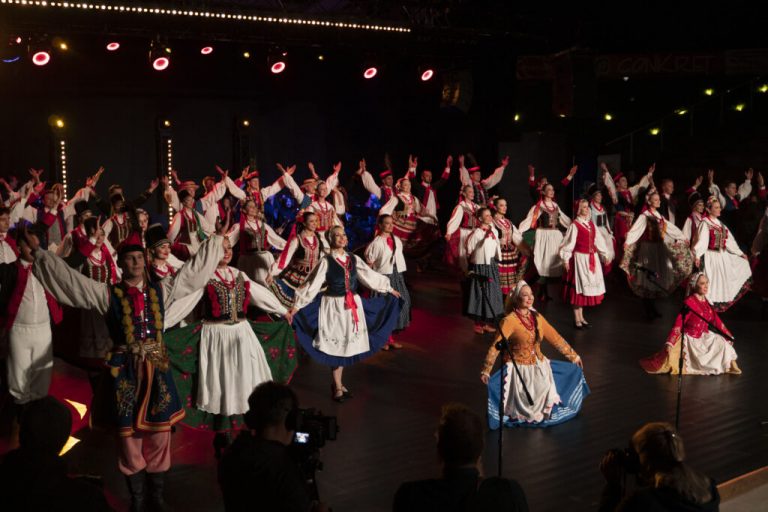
(190, 13)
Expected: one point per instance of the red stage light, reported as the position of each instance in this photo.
(370, 73)
(114, 46)
(427, 74)
(206, 50)
(161, 63)
(278, 67)
(41, 58)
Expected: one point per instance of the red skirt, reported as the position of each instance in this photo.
(573, 297)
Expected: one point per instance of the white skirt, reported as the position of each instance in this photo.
(711, 354)
(589, 284)
(232, 363)
(727, 274)
(608, 242)
(541, 385)
(256, 266)
(546, 252)
(337, 334)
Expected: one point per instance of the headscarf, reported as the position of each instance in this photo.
(692, 283)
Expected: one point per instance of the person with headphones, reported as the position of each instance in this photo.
(257, 470)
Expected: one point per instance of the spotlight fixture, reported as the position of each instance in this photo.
(59, 123)
(321, 57)
(608, 116)
(370, 72)
(41, 58)
(426, 73)
(654, 131)
(277, 60)
(206, 50)
(739, 107)
(159, 56)
(113, 46)
(763, 88)
(246, 123)
(681, 111)
(709, 91)
(167, 123)
(517, 118)
(246, 54)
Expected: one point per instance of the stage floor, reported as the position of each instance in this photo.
(387, 430)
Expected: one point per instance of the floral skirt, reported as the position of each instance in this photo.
(222, 378)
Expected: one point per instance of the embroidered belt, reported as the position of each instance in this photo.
(153, 350)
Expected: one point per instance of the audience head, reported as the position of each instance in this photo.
(460, 436)
(272, 410)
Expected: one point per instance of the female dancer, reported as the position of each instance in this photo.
(385, 255)
(217, 362)
(301, 255)
(624, 199)
(326, 213)
(691, 225)
(704, 352)
(545, 217)
(484, 302)
(584, 284)
(556, 387)
(463, 220)
(161, 262)
(188, 228)
(600, 219)
(657, 257)
(256, 238)
(514, 251)
(412, 224)
(339, 328)
(717, 252)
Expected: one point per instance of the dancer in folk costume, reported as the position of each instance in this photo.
(705, 352)
(655, 244)
(463, 220)
(483, 301)
(760, 260)
(27, 312)
(55, 212)
(327, 216)
(95, 257)
(472, 177)
(218, 361)
(412, 224)
(583, 248)
(718, 254)
(546, 218)
(385, 255)
(691, 225)
(8, 250)
(339, 328)
(188, 229)
(599, 216)
(556, 387)
(514, 251)
(384, 192)
(254, 190)
(145, 404)
(213, 192)
(307, 193)
(120, 224)
(255, 239)
(624, 199)
(426, 189)
(162, 263)
(303, 251)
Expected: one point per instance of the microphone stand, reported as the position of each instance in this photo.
(684, 310)
(503, 347)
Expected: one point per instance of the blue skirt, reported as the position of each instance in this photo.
(381, 315)
(571, 386)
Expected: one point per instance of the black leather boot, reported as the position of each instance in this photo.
(136, 487)
(156, 501)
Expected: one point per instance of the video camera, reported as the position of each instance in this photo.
(313, 429)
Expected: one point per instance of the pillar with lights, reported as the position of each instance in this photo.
(59, 149)
(165, 156)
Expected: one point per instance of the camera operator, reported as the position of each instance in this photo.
(664, 481)
(257, 472)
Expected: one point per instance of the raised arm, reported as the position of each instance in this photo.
(293, 188)
(273, 238)
(746, 188)
(494, 179)
(67, 285)
(307, 292)
(370, 184)
(463, 172)
(196, 272)
(389, 206)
